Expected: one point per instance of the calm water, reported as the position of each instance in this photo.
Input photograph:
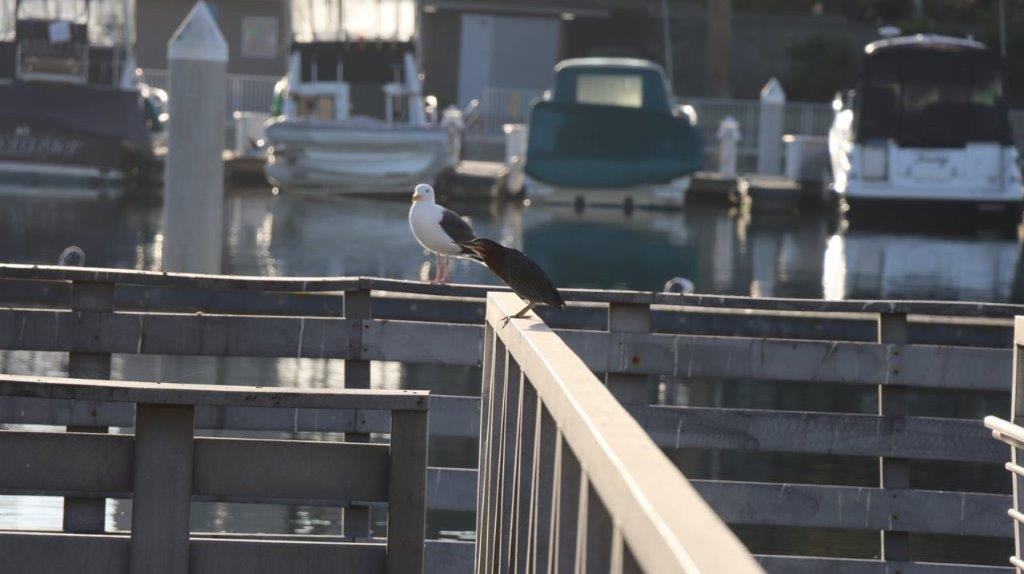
(721, 251)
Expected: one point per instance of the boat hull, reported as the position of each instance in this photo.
(45, 136)
(354, 157)
(671, 195)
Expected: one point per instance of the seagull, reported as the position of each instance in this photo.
(438, 230)
(521, 273)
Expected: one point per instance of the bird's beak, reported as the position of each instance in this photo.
(416, 197)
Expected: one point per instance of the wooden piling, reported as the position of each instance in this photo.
(194, 171)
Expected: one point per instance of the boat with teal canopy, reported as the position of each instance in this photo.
(609, 133)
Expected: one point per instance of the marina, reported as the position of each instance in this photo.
(376, 286)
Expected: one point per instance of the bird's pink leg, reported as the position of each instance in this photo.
(446, 264)
(437, 269)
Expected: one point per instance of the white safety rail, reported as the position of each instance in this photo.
(246, 93)
(1012, 434)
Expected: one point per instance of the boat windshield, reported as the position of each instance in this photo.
(345, 20)
(610, 90)
(933, 98)
(109, 22)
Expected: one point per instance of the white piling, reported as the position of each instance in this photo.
(728, 144)
(194, 170)
(769, 139)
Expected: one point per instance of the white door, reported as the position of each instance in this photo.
(475, 56)
(511, 52)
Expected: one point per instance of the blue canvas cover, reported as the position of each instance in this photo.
(598, 146)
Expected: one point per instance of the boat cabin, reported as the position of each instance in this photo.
(932, 92)
(610, 123)
(74, 41)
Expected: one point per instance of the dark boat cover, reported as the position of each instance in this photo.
(586, 145)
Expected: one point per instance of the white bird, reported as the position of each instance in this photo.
(438, 229)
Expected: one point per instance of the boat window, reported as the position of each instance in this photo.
(988, 112)
(935, 92)
(932, 98)
(332, 20)
(623, 90)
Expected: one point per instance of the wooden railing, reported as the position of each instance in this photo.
(633, 340)
(569, 481)
(163, 466)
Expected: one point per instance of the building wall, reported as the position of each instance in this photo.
(156, 21)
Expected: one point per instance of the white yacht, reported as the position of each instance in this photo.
(928, 124)
(350, 116)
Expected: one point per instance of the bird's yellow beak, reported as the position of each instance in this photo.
(416, 197)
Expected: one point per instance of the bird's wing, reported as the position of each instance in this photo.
(529, 281)
(455, 226)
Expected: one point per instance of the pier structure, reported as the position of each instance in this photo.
(571, 439)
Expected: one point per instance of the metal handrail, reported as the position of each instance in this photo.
(645, 508)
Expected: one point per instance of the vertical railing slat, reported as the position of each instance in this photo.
(492, 464)
(358, 307)
(630, 389)
(894, 473)
(90, 302)
(161, 488)
(407, 489)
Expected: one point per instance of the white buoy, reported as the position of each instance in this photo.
(769, 138)
(194, 170)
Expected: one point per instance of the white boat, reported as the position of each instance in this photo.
(350, 117)
(928, 125)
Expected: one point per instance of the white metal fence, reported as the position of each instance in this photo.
(246, 93)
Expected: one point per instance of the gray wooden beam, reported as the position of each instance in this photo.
(407, 492)
(815, 565)
(819, 433)
(162, 482)
(65, 463)
(290, 471)
(196, 394)
(88, 302)
(174, 334)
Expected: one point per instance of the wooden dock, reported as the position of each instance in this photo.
(538, 371)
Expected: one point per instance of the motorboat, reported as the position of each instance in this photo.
(609, 133)
(927, 126)
(350, 117)
(74, 110)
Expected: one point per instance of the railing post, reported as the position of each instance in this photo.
(161, 489)
(358, 307)
(1017, 418)
(89, 302)
(407, 492)
(629, 389)
(523, 483)
(894, 473)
